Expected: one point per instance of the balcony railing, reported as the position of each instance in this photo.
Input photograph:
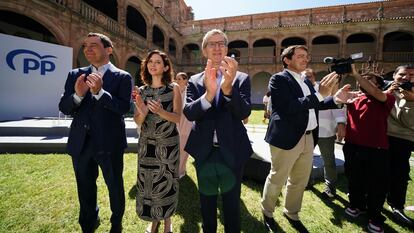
(263, 60)
(398, 56)
(60, 2)
(136, 38)
(99, 18)
(318, 58)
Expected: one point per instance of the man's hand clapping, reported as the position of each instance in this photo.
(228, 68)
(327, 83)
(80, 86)
(210, 81)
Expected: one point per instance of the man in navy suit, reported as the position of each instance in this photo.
(293, 131)
(218, 99)
(97, 97)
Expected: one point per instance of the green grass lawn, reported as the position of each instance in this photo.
(38, 194)
(256, 117)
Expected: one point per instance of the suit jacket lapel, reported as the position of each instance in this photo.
(294, 83)
(310, 86)
(108, 77)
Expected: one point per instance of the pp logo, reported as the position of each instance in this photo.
(30, 63)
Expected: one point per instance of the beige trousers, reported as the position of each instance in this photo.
(292, 167)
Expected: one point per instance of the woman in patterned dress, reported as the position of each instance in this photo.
(158, 109)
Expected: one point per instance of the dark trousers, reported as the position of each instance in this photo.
(366, 171)
(399, 173)
(215, 178)
(86, 171)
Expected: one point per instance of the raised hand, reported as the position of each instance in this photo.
(228, 68)
(94, 82)
(346, 96)
(327, 83)
(155, 106)
(139, 102)
(210, 81)
(80, 86)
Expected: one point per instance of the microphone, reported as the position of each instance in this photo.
(328, 60)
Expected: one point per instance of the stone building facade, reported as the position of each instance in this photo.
(382, 30)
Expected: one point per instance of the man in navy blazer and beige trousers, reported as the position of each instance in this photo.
(293, 132)
(218, 99)
(97, 97)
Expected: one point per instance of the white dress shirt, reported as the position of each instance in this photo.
(312, 121)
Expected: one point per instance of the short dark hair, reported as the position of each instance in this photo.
(104, 39)
(378, 78)
(166, 76)
(289, 51)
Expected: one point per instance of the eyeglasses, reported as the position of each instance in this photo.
(220, 44)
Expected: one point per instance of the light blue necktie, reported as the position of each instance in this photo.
(219, 77)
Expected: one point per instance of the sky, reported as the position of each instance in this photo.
(208, 9)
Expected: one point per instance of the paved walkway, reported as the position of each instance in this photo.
(49, 135)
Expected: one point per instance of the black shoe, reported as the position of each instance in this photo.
(400, 216)
(269, 223)
(116, 228)
(297, 224)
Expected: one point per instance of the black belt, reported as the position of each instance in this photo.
(308, 132)
(215, 144)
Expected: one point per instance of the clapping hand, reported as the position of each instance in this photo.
(228, 68)
(80, 86)
(210, 81)
(139, 102)
(94, 82)
(155, 106)
(346, 96)
(327, 83)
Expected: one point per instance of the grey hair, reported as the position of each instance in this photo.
(212, 33)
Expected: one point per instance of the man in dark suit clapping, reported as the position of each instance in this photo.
(218, 99)
(97, 97)
(293, 131)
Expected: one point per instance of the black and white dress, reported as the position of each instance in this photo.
(158, 160)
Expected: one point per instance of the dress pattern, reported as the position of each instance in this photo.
(158, 160)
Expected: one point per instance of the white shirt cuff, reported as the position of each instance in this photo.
(77, 98)
(204, 103)
(100, 94)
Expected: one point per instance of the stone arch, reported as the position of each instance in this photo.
(264, 51)
(43, 21)
(294, 40)
(110, 8)
(136, 21)
(172, 47)
(190, 53)
(361, 42)
(133, 66)
(158, 36)
(240, 49)
(398, 46)
(259, 86)
(324, 46)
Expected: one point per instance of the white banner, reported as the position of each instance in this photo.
(32, 77)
